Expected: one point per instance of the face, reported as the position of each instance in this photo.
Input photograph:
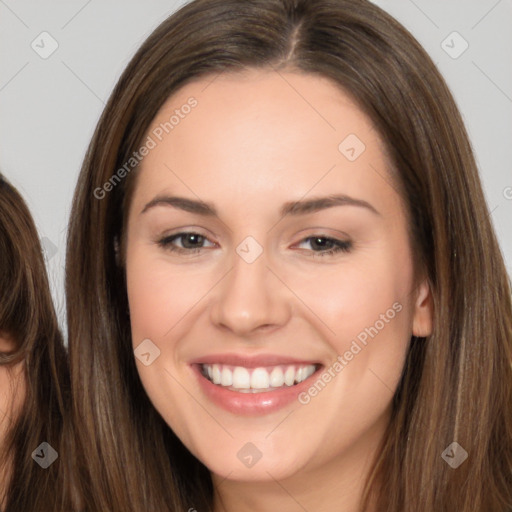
(12, 394)
(11, 386)
(270, 275)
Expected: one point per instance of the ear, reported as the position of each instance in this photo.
(423, 311)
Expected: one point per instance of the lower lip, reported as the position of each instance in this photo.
(251, 404)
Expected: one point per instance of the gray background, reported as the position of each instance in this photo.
(49, 107)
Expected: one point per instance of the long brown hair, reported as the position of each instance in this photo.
(456, 384)
(28, 318)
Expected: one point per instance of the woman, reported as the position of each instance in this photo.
(268, 302)
(33, 371)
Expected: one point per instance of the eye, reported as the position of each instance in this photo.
(184, 242)
(326, 246)
(191, 242)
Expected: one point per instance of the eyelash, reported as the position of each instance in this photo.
(338, 245)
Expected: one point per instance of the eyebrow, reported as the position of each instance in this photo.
(321, 203)
(301, 207)
(182, 203)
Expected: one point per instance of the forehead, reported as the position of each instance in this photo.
(262, 132)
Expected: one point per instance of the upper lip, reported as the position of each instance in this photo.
(252, 361)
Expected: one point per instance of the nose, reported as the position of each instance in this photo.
(250, 300)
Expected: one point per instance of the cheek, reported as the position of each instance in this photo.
(12, 395)
(358, 293)
(159, 294)
(365, 311)
(365, 316)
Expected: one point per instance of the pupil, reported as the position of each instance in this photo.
(192, 240)
(321, 242)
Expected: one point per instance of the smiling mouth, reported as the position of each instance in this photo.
(257, 380)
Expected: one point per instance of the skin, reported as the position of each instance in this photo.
(256, 140)
(12, 392)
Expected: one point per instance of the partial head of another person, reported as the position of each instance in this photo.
(34, 379)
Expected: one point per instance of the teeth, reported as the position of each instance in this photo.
(260, 379)
(308, 371)
(276, 377)
(216, 377)
(289, 376)
(238, 378)
(226, 377)
(241, 378)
